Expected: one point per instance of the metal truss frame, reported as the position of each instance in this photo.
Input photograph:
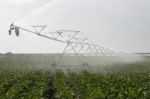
(76, 45)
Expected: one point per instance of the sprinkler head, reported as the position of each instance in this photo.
(12, 27)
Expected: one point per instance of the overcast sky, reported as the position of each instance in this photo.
(119, 24)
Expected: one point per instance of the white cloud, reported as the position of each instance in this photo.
(19, 1)
(121, 24)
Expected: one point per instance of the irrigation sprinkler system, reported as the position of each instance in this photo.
(75, 43)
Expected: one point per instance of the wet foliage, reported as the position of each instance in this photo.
(22, 78)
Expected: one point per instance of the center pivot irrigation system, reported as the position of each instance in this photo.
(76, 43)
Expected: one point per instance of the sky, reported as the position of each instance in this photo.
(118, 24)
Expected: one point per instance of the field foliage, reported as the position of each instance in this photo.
(31, 78)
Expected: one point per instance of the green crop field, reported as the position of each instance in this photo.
(32, 78)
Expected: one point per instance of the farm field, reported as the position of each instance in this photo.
(32, 78)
